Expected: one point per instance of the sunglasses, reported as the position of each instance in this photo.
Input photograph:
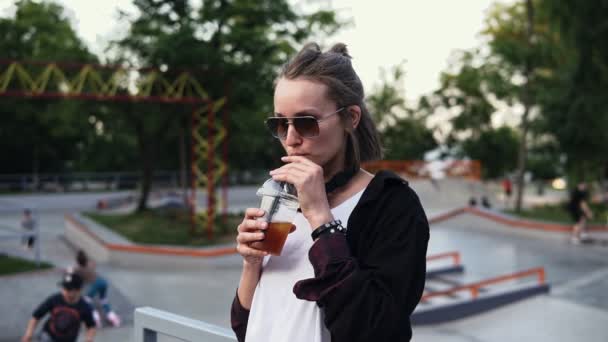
(306, 126)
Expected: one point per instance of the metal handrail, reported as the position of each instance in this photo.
(454, 255)
(149, 322)
(474, 288)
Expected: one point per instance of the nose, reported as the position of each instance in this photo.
(292, 138)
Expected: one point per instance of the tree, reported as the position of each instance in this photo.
(576, 110)
(565, 46)
(235, 48)
(496, 148)
(40, 135)
(469, 91)
(403, 130)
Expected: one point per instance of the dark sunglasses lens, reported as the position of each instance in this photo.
(277, 127)
(306, 126)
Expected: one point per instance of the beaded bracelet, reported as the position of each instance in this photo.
(332, 227)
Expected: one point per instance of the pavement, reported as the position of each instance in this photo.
(576, 308)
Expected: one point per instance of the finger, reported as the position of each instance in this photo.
(298, 172)
(253, 212)
(291, 178)
(299, 167)
(246, 251)
(249, 225)
(247, 238)
(297, 159)
(288, 168)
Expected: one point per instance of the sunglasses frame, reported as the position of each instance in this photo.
(290, 121)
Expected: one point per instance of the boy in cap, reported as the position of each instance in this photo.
(67, 311)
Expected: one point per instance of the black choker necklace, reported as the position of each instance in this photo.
(339, 180)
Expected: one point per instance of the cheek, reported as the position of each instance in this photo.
(329, 144)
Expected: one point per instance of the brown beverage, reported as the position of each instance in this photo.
(275, 237)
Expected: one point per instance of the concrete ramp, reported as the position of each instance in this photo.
(446, 194)
(542, 318)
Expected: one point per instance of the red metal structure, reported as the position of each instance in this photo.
(112, 83)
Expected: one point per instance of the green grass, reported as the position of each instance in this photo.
(558, 213)
(167, 228)
(10, 265)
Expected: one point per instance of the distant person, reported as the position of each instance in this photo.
(507, 188)
(485, 202)
(28, 225)
(472, 202)
(67, 310)
(580, 212)
(97, 286)
(436, 171)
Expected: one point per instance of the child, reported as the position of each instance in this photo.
(67, 311)
(28, 224)
(97, 285)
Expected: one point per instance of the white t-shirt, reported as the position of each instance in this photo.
(276, 314)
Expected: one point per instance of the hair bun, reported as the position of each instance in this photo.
(314, 47)
(341, 49)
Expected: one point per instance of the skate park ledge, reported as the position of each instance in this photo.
(78, 233)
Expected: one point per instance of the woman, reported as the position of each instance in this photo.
(354, 268)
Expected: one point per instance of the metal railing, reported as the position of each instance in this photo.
(475, 288)
(455, 256)
(151, 323)
(83, 181)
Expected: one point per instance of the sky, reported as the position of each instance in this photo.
(383, 33)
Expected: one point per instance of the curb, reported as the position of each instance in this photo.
(222, 251)
(175, 251)
(513, 221)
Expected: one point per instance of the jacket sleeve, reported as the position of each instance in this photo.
(371, 297)
(239, 316)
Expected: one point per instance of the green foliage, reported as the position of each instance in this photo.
(496, 149)
(564, 70)
(570, 59)
(235, 48)
(386, 101)
(11, 265)
(403, 131)
(407, 139)
(42, 134)
(41, 32)
(576, 108)
(544, 160)
(467, 88)
(167, 228)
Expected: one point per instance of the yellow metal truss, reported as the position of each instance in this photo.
(44, 79)
(89, 80)
(214, 165)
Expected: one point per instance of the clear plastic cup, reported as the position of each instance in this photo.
(280, 205)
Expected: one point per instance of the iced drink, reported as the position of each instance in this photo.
(280, 206)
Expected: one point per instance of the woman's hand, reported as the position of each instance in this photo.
(249, 232)
(309, 181)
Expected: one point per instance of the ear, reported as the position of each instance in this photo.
(354, 113)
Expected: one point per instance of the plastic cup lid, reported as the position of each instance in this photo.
(278, 189)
